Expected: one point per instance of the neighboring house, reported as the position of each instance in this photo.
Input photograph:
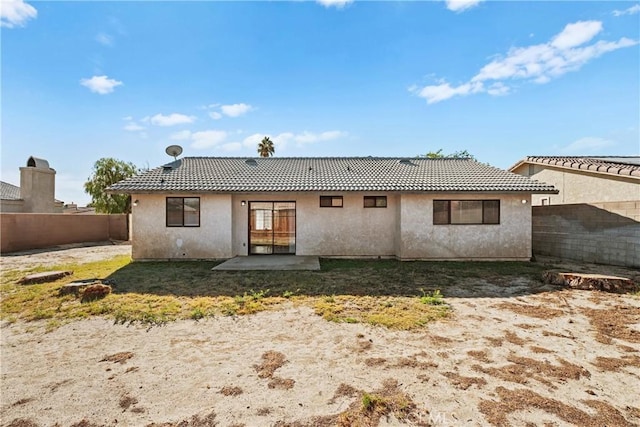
(583, 179)
(36, 191)
(595, 217)
(74, 209)
(208, 207)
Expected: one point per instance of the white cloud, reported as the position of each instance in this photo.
(576, 34)
(567, 51)
(181, 136)
(207, 138)
(282, 139)
(338, 4)
(133, 127)
(104, 39)
(235, 110)
(498, 89)
(461, 5)
(171, 120)
(588, 145)
(231, 146)
(253, 140)
(215, 115)
(100, 84)
(309, 137)
(437, 93)
(630, 11)
(16, 13)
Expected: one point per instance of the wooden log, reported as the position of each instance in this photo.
(590, 282)
(47, 276)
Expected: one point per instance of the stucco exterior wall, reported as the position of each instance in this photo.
(421, 239)
(580, 186)
(152, 239)
(348, 231)
(404, 229)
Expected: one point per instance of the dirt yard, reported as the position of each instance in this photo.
(65, 254)
(552, 358)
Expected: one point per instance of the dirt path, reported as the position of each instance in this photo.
(563, 358)
(63, 255)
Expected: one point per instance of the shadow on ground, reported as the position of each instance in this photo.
(338, 277)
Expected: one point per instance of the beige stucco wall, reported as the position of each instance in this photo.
(421, 239)
(404, 229)
(152, 239)
(581, 186)
(348, 231)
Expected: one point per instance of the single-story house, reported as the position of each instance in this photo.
(419, 208)
(583, 179)
(35, 193)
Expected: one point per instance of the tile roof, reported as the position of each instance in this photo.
(9, 191)
(236, 174)
(613, 165)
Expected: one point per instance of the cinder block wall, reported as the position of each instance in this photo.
(604, 233)
(23, 231)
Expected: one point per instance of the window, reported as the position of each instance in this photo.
(330, 201)
(183, 211)
(375, 201)
(466, 212)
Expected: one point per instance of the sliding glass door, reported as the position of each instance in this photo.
(272, 228)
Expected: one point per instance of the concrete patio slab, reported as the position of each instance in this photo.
(270, 262)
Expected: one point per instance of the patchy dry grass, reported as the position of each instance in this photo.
(537, 311)
(523, 369)
(463, 383)
(121, 357)
(392, 312)
(231, 391)
(379, 292)
(510, 401)
(613, 364)
(159, 292)
(614, 322)
(371, 407)
(271, 360)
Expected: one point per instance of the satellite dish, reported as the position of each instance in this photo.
(174, 151)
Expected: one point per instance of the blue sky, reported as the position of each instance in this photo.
(503, 80)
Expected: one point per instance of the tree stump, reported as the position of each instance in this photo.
(590, 282)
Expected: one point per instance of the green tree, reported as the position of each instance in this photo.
(265, 148)
(108, 171)
(460, 154)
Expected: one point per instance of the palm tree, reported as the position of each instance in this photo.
(265, 148)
